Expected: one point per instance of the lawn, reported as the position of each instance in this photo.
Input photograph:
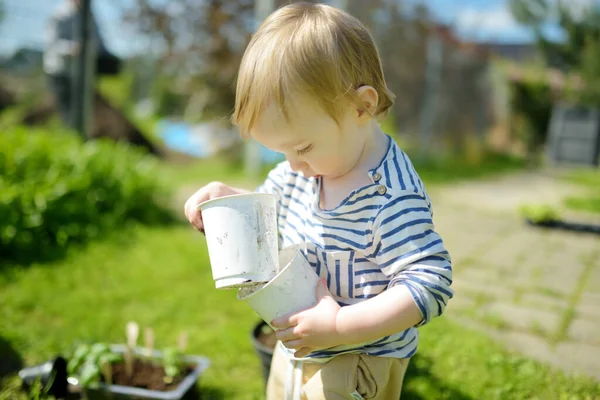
(455, 167)
(590, 179)
(160, 277)
(432, 170)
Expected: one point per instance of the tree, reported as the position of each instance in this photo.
(579, 53)
(529, 12)
(201, 46)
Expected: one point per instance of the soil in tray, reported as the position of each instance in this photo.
(146, 375)
(267, 337)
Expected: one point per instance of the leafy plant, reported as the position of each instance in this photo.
(578, 52)
(531, 109)
(36, 391)
(90, 362)
(56, 190)
(172, 362)
(539, 213)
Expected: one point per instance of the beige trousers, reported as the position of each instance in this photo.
(346, 377)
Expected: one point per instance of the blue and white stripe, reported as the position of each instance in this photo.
(375, 239)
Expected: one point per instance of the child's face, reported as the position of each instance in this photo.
(312, 141)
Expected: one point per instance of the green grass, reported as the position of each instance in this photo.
(432, 171)
(455, 363)
(590, 179)
(586, 177)
(157, 277)
(160, 277)
(587, 204)
(199, 172)
(446, 169)
(451, 168)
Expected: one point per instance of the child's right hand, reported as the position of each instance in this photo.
(211, 191)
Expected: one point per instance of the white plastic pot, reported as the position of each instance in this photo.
(241, 234)
(292, 290)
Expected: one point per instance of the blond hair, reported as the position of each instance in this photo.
(310, 49)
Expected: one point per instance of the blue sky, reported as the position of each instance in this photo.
(478, 20)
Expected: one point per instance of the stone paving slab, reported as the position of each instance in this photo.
(589, 306)
(522, 285)
(462, 303)
(592, 286)
(543, 301)
(571, 357)
(475, 291)
(513, 248)
(523, 319)
(508, 192)
(579, 358)
(585, 330)
(560, 281)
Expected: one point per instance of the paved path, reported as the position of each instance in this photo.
(536, 291)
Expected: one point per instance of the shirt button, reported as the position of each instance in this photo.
(376, 176)
(382, 189)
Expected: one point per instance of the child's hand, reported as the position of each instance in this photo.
(312, 329)
(211, 191)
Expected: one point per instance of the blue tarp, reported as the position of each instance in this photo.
(189, 139)
(178, 136)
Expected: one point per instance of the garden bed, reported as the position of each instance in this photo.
(147, 375)
(147, 380)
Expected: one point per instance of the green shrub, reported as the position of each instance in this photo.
(166, 99)
(56, 190)
(531, 104)
(89, 363)
(539, 213)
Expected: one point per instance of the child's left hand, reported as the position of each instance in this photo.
(311, 329)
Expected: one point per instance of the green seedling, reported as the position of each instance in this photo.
(172, 363)
(91, 362)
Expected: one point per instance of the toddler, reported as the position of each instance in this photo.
(311, 86)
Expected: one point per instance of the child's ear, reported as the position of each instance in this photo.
(367, 100)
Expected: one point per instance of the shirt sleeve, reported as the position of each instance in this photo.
(410, 252)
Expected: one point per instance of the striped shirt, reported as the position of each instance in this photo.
(380, 236)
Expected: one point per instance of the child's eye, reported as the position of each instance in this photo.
(305, 150)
